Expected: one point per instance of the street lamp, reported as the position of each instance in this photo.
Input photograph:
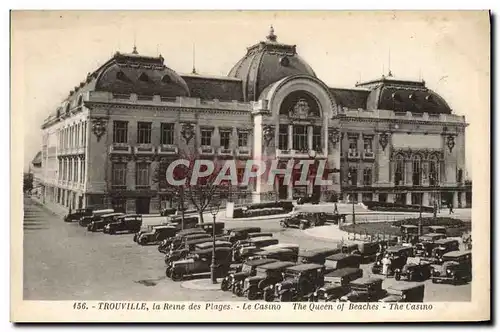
(312, 155)
(214, 211)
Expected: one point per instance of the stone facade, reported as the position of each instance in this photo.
(387, 140)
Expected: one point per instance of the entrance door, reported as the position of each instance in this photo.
(142, 205)
(316, 191)
(282, 189)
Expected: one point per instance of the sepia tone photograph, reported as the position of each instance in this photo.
(259, 161)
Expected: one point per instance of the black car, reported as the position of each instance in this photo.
(130, 223)
(299, 283)
(168, 211)
(98, 225)
(235, 281)
(304, 220)
(77, 215)
(308, 199)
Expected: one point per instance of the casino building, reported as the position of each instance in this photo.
(386, 140)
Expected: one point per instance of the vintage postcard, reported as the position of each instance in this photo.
(293, 166)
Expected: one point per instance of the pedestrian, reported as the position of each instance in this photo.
(451, 208)
(386, 263)
(336, 210)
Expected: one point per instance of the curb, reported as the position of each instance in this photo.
(270, 218)
(201, 284)
(309, 233)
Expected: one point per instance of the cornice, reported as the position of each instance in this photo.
(378, 120)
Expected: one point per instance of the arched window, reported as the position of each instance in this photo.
(433, 171)
(399, 171)
(417, 171)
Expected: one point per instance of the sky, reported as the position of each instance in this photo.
(52, 52)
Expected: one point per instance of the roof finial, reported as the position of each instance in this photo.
(135, 47)
(390, 72)
(194, 60)
(271, 37)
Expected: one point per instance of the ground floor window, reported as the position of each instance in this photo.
(416, 198)
(400, 199)
(382, 197)
(119, 204)
(367, 197)
(142, 205)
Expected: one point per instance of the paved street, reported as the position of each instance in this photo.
(63, 261)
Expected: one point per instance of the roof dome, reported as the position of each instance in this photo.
(400, 95)
(143, 75)
(266, 63)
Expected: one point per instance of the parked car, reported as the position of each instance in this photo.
(339, 261)
(299, 283)
(281, 254)
(77, 215)
(303, 220)
(130, 223)
(200, 263)
(262, 283)
(404, 292)
(398, 256)
(183, 251)
(313, 199)
(409, 233)
(234, 281)
(96, 215)
(368, 250)
(146, 229)
(316, 256)
(168, 211)
(343, 276)
(426, 243)
(208, 227)
(259, 234)
(157, 234)
(349, 248)
(431, 237)
(210, 244)
(178, 242)
(437, 229)
(442, 247)
(245, 248)
(189, 221)
(365, 290)
(330, 293)
(414, 269)
(240, 233)
(457, 267)
(98, 225)
(290, 246)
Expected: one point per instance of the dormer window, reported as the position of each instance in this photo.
(143, 77)
(412, 96)
(429, 98)
(396, 96)
(121, 76)
(166, 79)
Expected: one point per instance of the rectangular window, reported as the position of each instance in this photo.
(119, 204)
(367, 176)
(82, 172)
(144, 132)
(367, 197)
(119, 174)
(242, 139)
(367, 144)
(283, 137)
(167, 133)
(142, 175)
(317, 138)
(353, 144)
(299, 138)
(120, 131)
(206, 137)
(352, 176)
(225, 139)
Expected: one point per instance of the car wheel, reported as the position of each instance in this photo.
(313, 224)
(302, 226)
(268, 295)
(142, 241)
(168, 272)
(286, 297)
(111, 231)
(397, 276)
(135, 237)
(177, 276)
(434, 281)
(238, 290)
(224, 286)
(252, 295)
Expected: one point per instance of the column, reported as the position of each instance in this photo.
(425, 199)
(455, 199)
(390, 198)
(408, 198)
(463, 200)
(310, 138)
(290, 137)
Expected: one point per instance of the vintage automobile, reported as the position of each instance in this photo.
(409, 233)
(266, 276)
(128, 223)
(96, 215)
(98, 225)
(303, 220)
(281, 254)
(245, 248)
(210, 245)
(177, 242)
(426, 243)
(167, 211)
(339, 261)
(365, 290)
(259, 234)
(404, 292)
(398, 256)
(183, 251)
(316, 256)
(164, 246)
(200, 263)
(349, 248)
(441, 247)
(234, 281)
(330, 293)
(157, 234)
(78, 214)
(189, 221)
(456, 268)
(299, 283)
(146, 229)
(368, 250)
(240, 233)
(437, 229)
(414, 269)
(343, 276)
(313, 199)
(431, 237)
(209, 226)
